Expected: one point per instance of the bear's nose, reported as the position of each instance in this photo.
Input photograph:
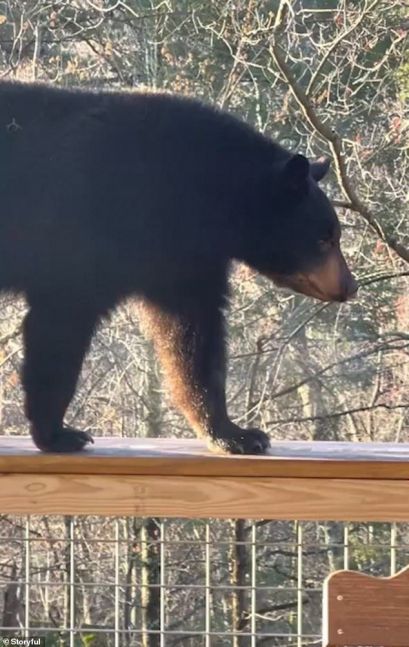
(349, 288)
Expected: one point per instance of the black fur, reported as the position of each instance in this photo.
(104, 195)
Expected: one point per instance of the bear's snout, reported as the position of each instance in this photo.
(331, 280)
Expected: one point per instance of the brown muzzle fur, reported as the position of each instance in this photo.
(329, 281)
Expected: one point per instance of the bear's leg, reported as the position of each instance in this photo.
(55, 339)
(190, 344)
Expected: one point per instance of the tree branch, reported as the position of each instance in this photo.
(338, 414)
(331, 136)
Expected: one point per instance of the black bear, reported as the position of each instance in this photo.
(111, 194)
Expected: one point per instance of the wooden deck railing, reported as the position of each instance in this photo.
(180, 478)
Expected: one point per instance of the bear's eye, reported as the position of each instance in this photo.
(326, 244)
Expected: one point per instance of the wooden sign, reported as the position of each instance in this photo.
(360, 610)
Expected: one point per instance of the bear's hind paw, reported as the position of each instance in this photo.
(241, 441)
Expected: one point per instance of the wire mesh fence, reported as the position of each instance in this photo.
(158, 582)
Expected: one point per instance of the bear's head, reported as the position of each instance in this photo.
(294, 233)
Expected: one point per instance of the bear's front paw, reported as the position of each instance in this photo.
(64, 440)
(240, 441)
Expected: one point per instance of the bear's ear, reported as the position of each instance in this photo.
(319, 168)
(296, 172)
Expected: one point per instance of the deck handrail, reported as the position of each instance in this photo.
(336, 481)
